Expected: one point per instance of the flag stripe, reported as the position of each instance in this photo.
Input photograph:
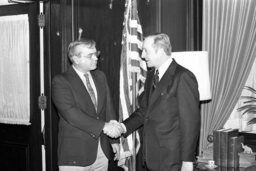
(131, 66)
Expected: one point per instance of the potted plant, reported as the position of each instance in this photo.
(249, 106)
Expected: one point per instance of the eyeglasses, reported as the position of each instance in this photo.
(90, 55)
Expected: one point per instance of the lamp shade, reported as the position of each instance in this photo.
(197, 63)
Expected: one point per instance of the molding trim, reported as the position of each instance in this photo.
(159, 16)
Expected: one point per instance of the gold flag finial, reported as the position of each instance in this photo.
(80, 32)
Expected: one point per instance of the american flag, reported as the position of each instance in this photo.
(132, 78)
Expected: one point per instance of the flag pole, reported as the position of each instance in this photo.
(134, 91)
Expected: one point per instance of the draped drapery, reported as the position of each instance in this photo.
(14, 70)
(237, 120)
(229, 35)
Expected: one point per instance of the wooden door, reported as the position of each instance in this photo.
(20, 145)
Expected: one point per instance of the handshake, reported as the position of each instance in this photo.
(113, 129)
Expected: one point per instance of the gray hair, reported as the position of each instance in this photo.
(162, 40)
(85, 42)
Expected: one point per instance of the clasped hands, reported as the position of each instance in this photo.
(113, 129)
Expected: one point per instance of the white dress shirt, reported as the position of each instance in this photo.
(82, 77)
(163, 68)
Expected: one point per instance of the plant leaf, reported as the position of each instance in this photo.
(249, 106)
(250, 89)
(252, 121)
(249, 98)
(246, 107)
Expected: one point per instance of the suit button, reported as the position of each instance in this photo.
(98, 117)
(74, 162)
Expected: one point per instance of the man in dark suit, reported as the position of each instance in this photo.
(169, 110)
(83, 101)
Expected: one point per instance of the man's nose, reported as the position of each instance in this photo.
(94, 57)
(143, 55)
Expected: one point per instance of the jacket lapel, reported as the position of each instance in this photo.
(99, 87)
(79, 86)
(165, 81)
(150, 82)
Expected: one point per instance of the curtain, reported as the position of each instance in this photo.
(229, 35)
(237, 120)
(14, 70)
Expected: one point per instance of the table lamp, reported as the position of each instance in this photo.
(196, 62)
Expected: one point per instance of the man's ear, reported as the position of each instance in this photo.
(75, 59)
(161, 51)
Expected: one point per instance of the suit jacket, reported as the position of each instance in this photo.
(171, 119)
(80, 126)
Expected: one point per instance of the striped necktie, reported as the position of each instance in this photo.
(155, 80)
(90, 90)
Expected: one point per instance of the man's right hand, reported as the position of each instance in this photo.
(113, 129)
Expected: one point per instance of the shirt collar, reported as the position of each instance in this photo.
(81, 74)
(162, 69)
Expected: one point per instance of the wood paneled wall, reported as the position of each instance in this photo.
(104, 25)
(180, 19)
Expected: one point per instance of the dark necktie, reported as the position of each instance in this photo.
(155, 79)
(90, 90)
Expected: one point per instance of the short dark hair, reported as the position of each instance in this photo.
(89, 43)
(162, 40)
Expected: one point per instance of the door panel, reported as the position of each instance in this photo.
(20, 145)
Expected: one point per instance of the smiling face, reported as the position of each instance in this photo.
(152, 55)
(86, 58)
